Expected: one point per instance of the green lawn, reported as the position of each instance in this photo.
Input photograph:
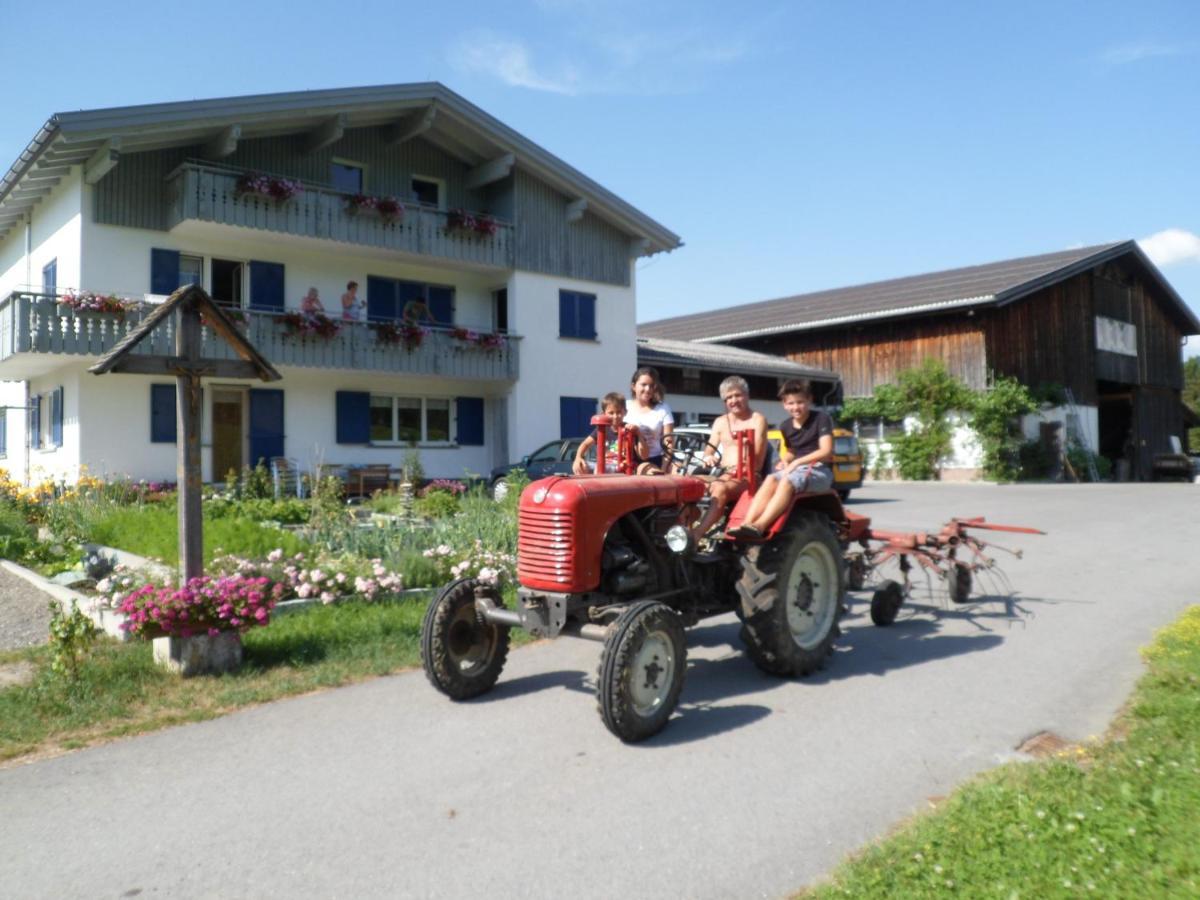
(1118, 819)
(121, 691)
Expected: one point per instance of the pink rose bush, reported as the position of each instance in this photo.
(205, 605)
(325, 578)
(489, 566)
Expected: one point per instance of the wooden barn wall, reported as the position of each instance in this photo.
(135, 193)
(870, 355)
(1157, 414)
(590, 249)
(1047, 337)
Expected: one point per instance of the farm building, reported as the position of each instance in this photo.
(1100, 321)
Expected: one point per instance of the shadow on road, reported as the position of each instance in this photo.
(530, 684)
(697, 722)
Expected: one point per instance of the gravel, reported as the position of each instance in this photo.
(24, 613)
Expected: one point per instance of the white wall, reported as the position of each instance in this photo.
(57, 234)
(12, 395)
(1089, 423)
(58, 463)
(554, 367)
(117, 259)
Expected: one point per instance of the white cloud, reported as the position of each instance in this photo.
(1131, 53)
(508, 59)
(1171, 246)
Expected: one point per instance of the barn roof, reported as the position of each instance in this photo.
(991, 284)
(722, 358)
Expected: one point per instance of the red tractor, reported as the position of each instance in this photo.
(609, 557)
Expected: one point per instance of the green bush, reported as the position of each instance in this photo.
(17, 537)
(289, 511)
(436, 505)
(1078, 458)
(996, 418)
(1037, 460)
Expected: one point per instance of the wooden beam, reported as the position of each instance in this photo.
(576, 209)
(174, 365)
(24, 193)
(410, 127)
(490, 171)
(102, 161)
(50, 173)
(223, 144)
(324, 135)
(638, 247)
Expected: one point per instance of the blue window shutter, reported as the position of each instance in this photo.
(56, 417)
(3, 432)
(381, 299)
(353, 417)
(35, 422)
(162, 414)
(266, 285)
(441, 304)
(567, 325)
(575, 416)
(164, 270)
(470, 421)
(586, 307)
(266, 424)
(50, 277)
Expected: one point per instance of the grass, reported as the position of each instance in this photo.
(153, 531)
(121, 691)
(1114, 819)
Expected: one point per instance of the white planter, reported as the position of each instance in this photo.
(199, 655)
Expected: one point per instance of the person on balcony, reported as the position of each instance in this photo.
(417, 311)
(311, 304)
(352, 306)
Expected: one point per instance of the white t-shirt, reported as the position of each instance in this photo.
(650, 423)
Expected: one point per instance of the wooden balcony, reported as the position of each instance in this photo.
(36, 332)
(209, 194)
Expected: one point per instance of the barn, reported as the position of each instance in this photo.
(1100, 321)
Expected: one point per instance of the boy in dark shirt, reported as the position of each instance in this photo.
(808, 437)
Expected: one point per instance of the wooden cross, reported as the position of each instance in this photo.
(189, 304)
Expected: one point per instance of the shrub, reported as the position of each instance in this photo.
(1036, 458)
(995, 417)
(203, 605)
(71, 636)
(436, 505)
(17, 537)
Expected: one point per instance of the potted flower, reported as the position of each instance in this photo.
(305, 325)
(399, 332)
(461, 221)
(270, 186)
(89, 301)
(203, 606)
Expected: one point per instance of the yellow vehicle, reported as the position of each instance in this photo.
(847, 459)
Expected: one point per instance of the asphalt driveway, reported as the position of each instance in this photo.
(757, 787)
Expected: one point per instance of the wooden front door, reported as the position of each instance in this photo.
(228, 431)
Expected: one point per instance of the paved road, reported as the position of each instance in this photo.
(756, 788)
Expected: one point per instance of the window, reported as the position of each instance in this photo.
(575, 416)
(50, 277)
(500, 310)
(577, 315)
(427, 191)
(46, 420)
(191, 270)
(226, 285)
(346, 177)
(388, 299)
(421, 420)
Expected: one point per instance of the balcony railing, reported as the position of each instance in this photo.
(209, 194)
(34, 326)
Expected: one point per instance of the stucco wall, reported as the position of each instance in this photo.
(554, 367)
(57, 229)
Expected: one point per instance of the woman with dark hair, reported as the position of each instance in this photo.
(653, 417)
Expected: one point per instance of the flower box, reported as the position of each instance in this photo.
(200, 654)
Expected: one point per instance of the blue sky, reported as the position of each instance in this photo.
(794, 146)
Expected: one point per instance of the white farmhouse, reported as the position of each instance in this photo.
(445, 218)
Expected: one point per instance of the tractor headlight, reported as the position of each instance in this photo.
(679, 539)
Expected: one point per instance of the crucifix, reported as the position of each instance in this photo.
(193, 310)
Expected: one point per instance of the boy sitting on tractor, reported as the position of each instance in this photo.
(808, 437)
(726, 487)
(613, 405)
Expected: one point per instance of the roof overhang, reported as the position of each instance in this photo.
(429, 109)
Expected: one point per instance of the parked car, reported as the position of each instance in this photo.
(554, 458)
(689, 447)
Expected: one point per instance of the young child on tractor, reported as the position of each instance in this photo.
(613, 405)
(808, 440)
(726, 487)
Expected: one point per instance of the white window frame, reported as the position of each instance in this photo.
(203, 268)
(352, 163)
(441, 186)
(424, 440)
(46, 422)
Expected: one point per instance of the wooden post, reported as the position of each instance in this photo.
(188, 411)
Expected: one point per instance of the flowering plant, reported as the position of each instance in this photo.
(399, 332)
(489, 566)
(89, 301)
(325, 578)
(477, 339)
(270, 186)
(478, 225)
(446, 485)
(205, 605)
(485, 225)
(306, 325)
(389, 208)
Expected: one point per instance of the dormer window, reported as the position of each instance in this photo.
(347, 177)
(427, 191)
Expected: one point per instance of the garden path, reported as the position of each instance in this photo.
(24, 613)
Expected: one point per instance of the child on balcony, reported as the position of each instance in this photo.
(613, 405)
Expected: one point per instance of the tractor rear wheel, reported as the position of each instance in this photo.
(641, 671)
(791, 592)
(886, 602)
(461, 653)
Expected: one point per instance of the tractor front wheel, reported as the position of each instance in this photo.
(461, 653)
(641, 671)
(791, 592)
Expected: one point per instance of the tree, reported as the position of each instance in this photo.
(1191, 397)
